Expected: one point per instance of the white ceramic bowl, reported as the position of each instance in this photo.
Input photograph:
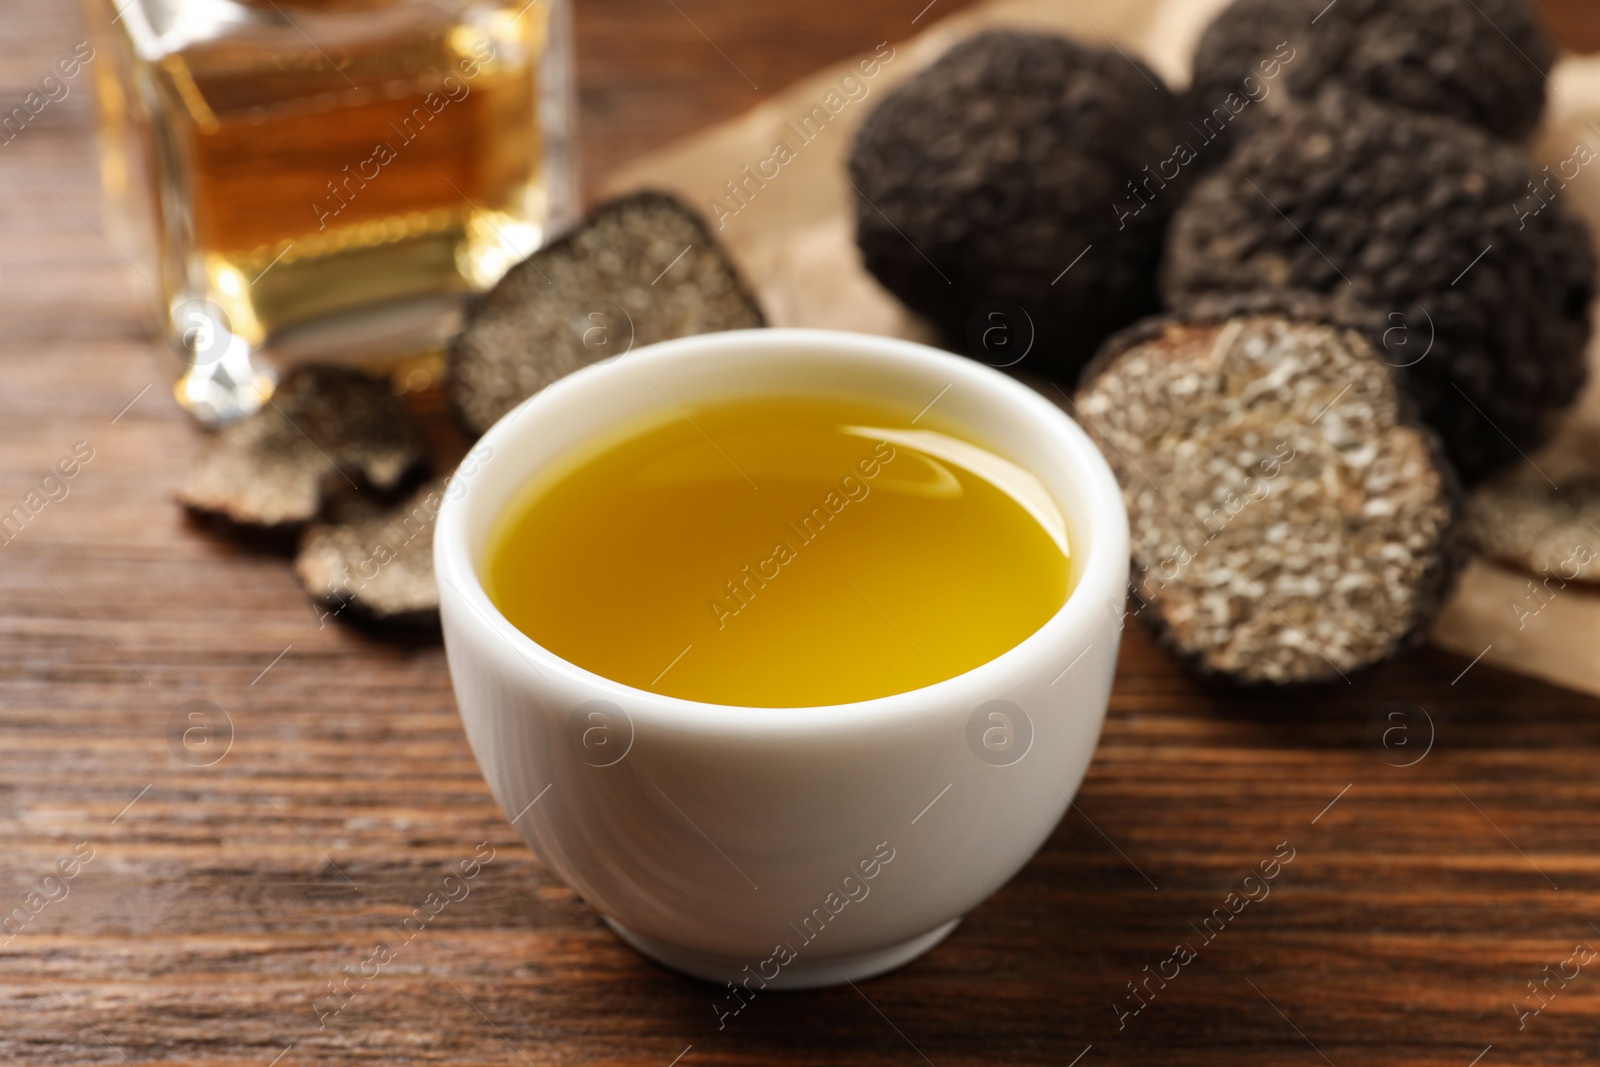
(790, 847)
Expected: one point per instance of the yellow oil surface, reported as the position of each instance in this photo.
(788, 552)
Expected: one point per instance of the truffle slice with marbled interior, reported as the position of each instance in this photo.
(1524, 521)
(1290, 522)
(639, 270)
(375, 564)
(326, 430)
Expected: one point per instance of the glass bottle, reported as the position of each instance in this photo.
(326, 179)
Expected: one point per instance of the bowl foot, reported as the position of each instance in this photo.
(799, 973)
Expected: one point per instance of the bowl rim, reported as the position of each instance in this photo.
(1101, 582)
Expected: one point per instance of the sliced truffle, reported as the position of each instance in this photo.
(326, 429)
(1289, 523)
(1486, 287)
(1523, 521)
(1021, 171)
(375, 564)
(639, 270)
(1482, 62)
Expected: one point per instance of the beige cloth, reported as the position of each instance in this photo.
(790, 229)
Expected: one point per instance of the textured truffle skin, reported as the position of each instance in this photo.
(1482, 62)
(987, 175)
(1291, 521)
(1425, 221)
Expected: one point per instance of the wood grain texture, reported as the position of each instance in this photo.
(220, 900)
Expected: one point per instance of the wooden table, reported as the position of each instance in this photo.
(211, 905)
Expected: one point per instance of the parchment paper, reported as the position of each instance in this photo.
(792, 235)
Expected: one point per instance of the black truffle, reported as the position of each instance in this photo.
(1523, 521)
(638, 270)
(1485, 285)
(1482, 62)
(1290, 521)
(371, 564)
(326, 430)
(1020, 170)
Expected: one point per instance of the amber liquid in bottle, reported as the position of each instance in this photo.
(332, 174)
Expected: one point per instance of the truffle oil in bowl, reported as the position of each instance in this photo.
(783, 552)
